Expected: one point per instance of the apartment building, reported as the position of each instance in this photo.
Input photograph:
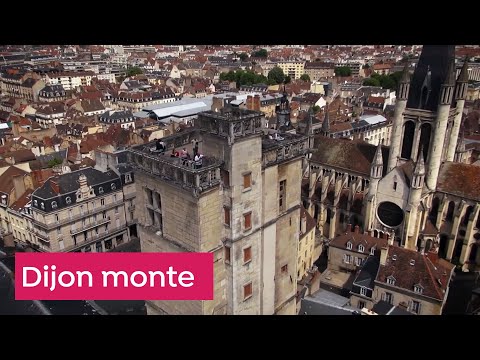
(137, 100)
(292, 68)
(70, 80)
(319, 70)
(20, 84)
(81, 211)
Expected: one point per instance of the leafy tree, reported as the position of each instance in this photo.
(305, 77)
(262, 53)
(134, 70)
(276, 75)
(243, 56)
(343, 71)
(366, 66)
(371, 82)
(287, 80)
(387, 82)
(242, 77)
(53, 162)
(315, 109)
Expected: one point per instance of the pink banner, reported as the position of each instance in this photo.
(114, 276)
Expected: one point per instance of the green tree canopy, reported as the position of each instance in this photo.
(53, 162)
(262, 53)
(243, 56)
(276, 75)
(315, 109)
(343, 71)
(287, 80)
(244, 77)
(371, 82)
(305, 77)
(134, 70)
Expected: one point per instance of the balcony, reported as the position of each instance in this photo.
(177, 171)
(95, 237)
(91, 225)
(76, 217)
(284, 148)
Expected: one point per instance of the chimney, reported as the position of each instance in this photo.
(383, 255)
(54, 185)
(19, 186)
(433, 256)
(357, 229)
(249, 102)
(256, 103)
(349, 228)
(303, 223)
(390, 239)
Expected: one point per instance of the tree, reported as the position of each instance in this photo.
(343, 71)
(315, 109)
(366, 66)
(53, 162)
(387, 82)
(243, 56)
(262, 53)
(243, 77)
(305, 77)
(287, 80)
(134, 70)
(371, 82)
(276, 75)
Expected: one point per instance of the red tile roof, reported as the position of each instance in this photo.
(22, 201)
(410, 268)
(460, 179)
(357, 239)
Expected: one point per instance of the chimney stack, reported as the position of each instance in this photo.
(19, 186)
(357, 229)
(383, 255)
(54, 185)
(249, 102)
(256, 103)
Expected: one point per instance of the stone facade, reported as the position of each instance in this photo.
(232, 206)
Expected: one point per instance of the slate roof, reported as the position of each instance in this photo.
(368, 273)
(356, 156)
(384, 308)
(69, 182)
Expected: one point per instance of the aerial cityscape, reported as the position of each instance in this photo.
(324, 179)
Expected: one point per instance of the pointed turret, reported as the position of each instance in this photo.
(326, 122)
(404, 85)
(450, 80)
(463, 76)
(376, 171)
(405, 74)
(446, 92)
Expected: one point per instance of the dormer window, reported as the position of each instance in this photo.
(391, 280)
(54, 204)
(79, 196)
(128, 178)
(372, 251)
(113, 186)
(35, 202)
(100, 190)
(349, 245)
(42, 205)
(361, 248)
(68, 200)
(418, 289)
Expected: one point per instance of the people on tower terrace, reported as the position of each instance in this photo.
(195, 161)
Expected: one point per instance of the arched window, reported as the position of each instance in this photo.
(54, 204)
(113, 186)
(361, 248)
(349, 245)
(42, 205)
(68, 200)
(100, 190)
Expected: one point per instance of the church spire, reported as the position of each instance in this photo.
(326, 122)
(463, 76)
(418, 178)
(446, 93)
(376, 171)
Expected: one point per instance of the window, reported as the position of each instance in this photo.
(391, 280)
(415, 307)
(128, 178)
(54, 204)
(394, 186)
(116, 209)
(284, 269)
(281, 195)
(388, 297)
(247, 254)
(99, 247)
(349, 245)
(113, 186)
(247, 181)
(104, 214)
(227, 254)
(59, 231)
(102, 202)
(363, 291)
(361, 304)
(247, 291)
(114, 197)
(347, 259)
(247, 221)
(42, 205)
(372, 251)
(418, 289)
(61, 245)
(56, 218)
(100, 190)
(358, 261)
(361, 248)
(35, 202)
(226, 213)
